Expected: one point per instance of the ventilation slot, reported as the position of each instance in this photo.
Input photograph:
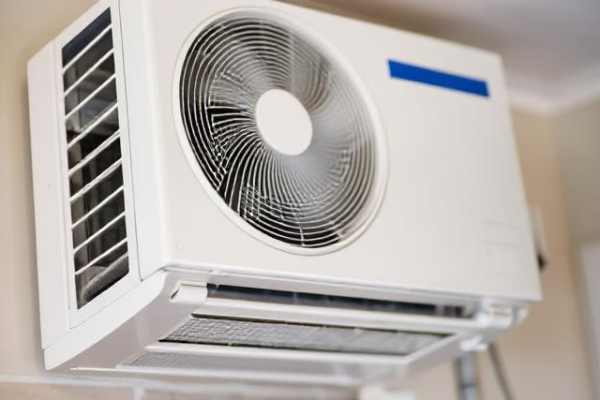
(353, 303)
(94, 160)
(297, 336)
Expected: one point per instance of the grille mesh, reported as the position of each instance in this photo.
(236, 332)
(204, 362)
(311, 200)
(97, 205)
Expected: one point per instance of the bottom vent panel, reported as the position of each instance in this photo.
(296, 336)
(211, 363)
(331, 373)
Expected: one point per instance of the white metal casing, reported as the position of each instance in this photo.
(453, 225)
(454, 200)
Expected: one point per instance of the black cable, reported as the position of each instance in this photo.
(500, 372)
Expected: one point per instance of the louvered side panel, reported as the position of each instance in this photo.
(94, 161)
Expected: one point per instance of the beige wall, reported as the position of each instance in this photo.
(545, 356)
(577, 133)
(25, 26)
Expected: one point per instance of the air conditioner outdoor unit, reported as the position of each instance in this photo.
(249, 189)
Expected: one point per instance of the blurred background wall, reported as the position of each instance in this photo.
(560, 157)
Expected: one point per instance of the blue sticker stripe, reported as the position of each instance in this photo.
(414, 73)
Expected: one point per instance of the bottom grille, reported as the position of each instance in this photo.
(296, 336)
(205, 362)
(347, 373)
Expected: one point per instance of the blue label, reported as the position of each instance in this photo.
(414, 73)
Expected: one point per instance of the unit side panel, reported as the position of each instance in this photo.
(48, 197)
(94, 156)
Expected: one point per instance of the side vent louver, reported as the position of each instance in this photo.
(95, 176)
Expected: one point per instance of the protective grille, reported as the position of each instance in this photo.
(295, 336)
(311, 200)
(95, 177)
(205, 362)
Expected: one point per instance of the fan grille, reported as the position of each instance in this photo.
(311, 200)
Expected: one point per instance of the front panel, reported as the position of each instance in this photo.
(453, 217)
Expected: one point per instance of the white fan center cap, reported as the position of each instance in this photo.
(283, 122)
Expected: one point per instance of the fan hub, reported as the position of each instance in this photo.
(283, 122)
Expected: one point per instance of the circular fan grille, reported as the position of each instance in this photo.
(315, 199)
